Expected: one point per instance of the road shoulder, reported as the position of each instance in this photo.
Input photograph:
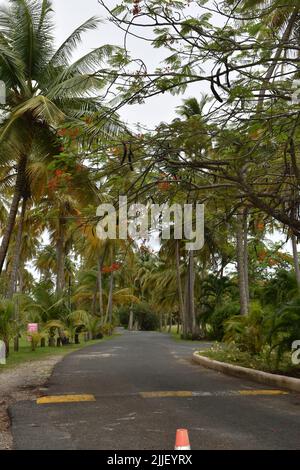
(23, 382)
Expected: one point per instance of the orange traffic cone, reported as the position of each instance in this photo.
(182, 440)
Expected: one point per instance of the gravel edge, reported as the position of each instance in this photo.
(23, 382)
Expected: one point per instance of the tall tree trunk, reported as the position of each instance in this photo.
(60, 257)
(240, 245)
(94, 301)
(17, 253)
(160, 322)
(179, 285)
(185, 325)
(70, 293)
(246, 256)
(15, 269)
(19, 187)
(110, 296)
(130, 321)
(192, 291)
(296, 259)
(189, 328)
(170, 323)
(100, 286)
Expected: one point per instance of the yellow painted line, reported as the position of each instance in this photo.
(262, 392)
(64, 399)
(166, 394)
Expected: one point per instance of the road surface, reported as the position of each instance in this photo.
(144, 386)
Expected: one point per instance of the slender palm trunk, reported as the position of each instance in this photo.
(296, 259)
(19, 187)
(15, 269)
(246, 256)
(185, 323)
(189, 301)
(130, 321)
(179, 285)
(192, 291)
(100, 286)
(94, 301)
(70, 293)
(17, 253)
(240, 245)
(60, 257)
(110, 296)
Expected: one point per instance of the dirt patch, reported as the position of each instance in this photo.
(24, 382)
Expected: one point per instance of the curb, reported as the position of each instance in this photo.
(281, 381)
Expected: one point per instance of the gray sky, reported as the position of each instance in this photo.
(70, 13)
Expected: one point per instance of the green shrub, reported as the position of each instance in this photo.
(249, 332)
(107, 329)
(279, 289)
(285, 328)
(219, 316)
(123, 314)
(35, 339)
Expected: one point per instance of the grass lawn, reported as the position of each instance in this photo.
(25, 353)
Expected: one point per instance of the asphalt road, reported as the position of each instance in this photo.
(127, 376)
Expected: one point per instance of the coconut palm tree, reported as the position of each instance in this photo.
(192, 107)
(43, 88)
(281, 17)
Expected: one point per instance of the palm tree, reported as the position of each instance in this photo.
(43, 88)
(192, 107)
(283, 17)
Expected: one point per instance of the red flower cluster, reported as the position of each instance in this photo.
(112, 268)
(164, 185)
(72, 133)
(136, 7)
(59, 176)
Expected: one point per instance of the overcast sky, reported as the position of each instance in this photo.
(70, 13)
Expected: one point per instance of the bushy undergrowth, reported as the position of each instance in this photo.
(266, 334)
(143, 316)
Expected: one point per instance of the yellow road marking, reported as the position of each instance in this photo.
(262, 392)
(64, 399)
(166, 394)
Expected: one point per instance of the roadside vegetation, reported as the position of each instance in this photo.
(26, 354)
(234, 147)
